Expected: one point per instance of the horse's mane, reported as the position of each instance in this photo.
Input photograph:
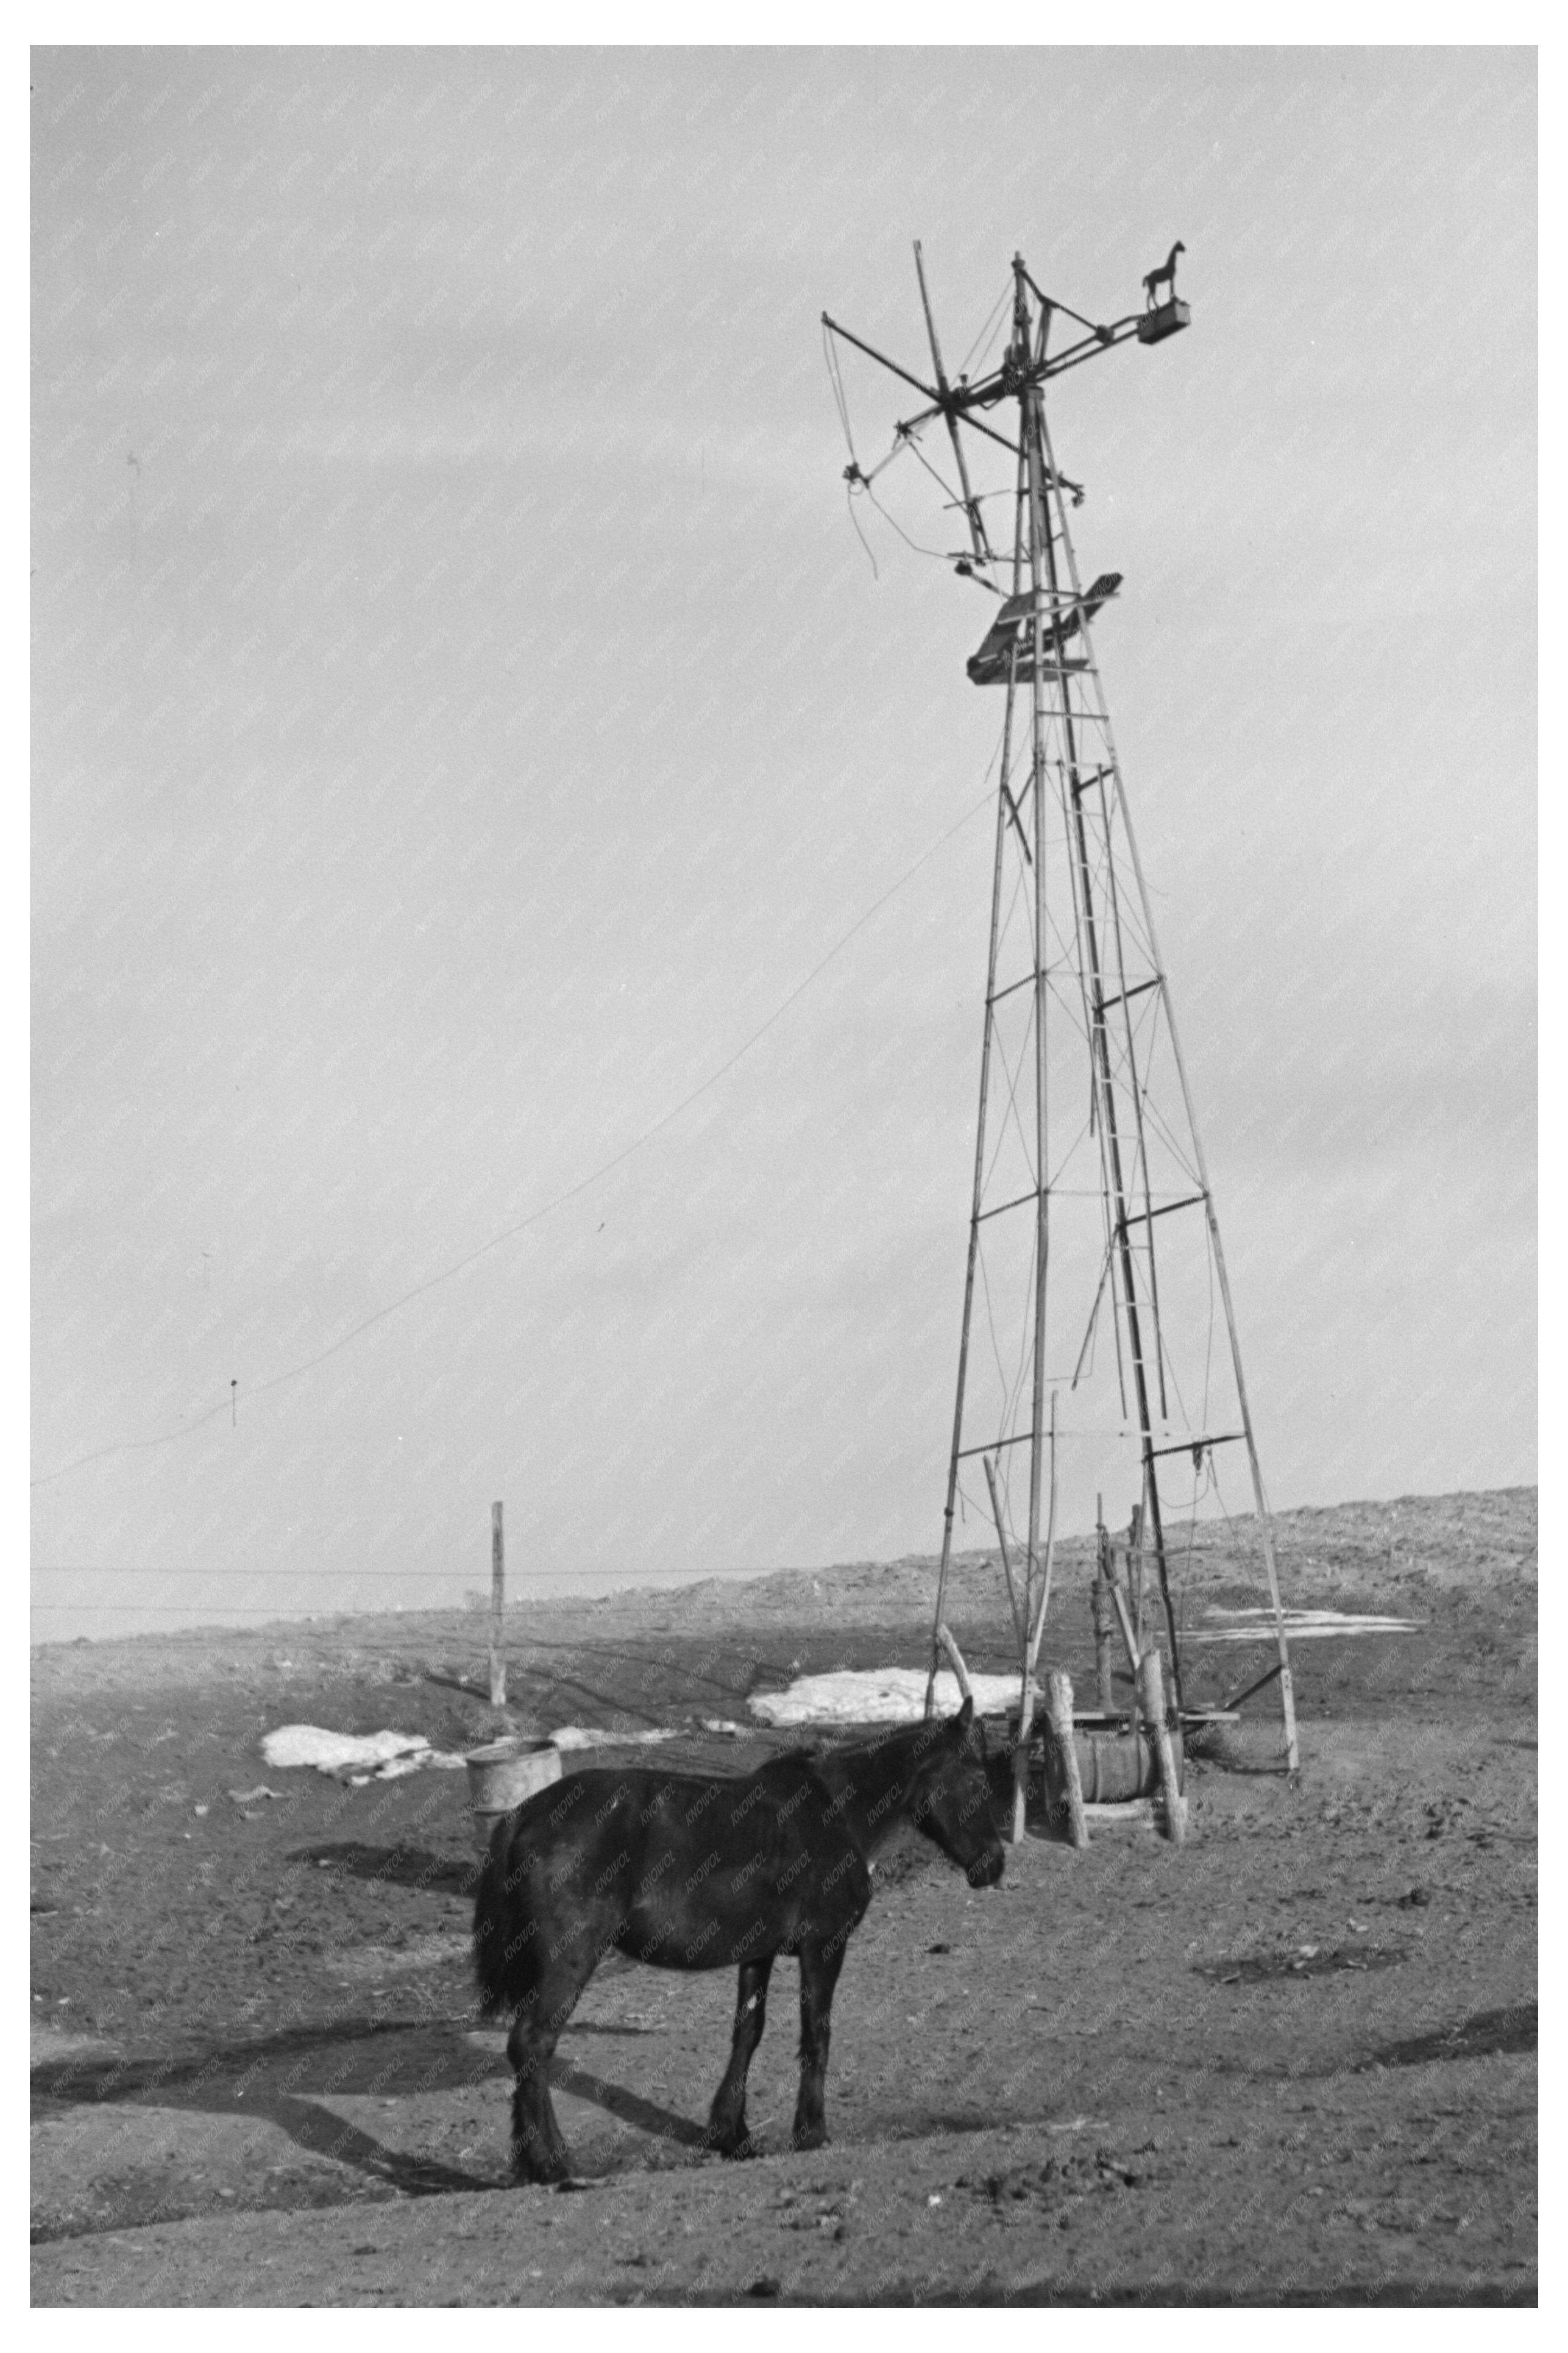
(872, 1743)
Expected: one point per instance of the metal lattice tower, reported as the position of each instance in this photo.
(1099, 1350)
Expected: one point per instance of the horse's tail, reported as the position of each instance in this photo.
(501, 1934)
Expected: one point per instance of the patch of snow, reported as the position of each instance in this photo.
(371, 1756)
(879, 1695)
(584, 1735)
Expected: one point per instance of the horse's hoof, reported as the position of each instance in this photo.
(809, 2137)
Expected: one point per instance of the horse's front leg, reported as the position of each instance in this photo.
(819, 1967)
(727, 2118)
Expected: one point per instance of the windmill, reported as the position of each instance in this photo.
(1099, 1349)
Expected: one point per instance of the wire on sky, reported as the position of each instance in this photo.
(508, 1233)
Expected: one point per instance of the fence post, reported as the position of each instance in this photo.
(498, 1610)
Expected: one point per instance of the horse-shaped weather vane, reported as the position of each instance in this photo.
(1164, 275)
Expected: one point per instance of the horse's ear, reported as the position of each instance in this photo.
(961, 1722)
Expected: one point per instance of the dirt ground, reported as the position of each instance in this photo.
(1294, 2061)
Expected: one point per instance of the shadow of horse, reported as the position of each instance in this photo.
(285, 2078)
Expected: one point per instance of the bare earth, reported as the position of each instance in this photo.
(1292, 2062)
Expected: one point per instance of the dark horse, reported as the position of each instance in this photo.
(689, 1872)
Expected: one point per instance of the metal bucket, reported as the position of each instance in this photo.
(501, 1775)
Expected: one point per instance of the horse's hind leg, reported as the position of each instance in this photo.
(538, 2151)
(727, 2118)
(819, 1967)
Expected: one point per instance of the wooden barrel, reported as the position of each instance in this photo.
(1113, 1767)
(502, 1774)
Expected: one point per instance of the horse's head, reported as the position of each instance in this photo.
(949, 1803)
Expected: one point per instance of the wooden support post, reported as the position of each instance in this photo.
(1104, 1617)
(1104, 1613)
(1151, 1692)
(955, 1657)
(1135, 1569)
(1123, 1619)
(1018, 1627)
(1128, 1636)
(1021, 1761)
(498, 1610)
(1059, 1715)
(1032, 1652)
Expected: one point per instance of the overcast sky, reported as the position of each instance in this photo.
(464, 712)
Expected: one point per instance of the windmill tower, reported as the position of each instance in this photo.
(1098, 1351)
